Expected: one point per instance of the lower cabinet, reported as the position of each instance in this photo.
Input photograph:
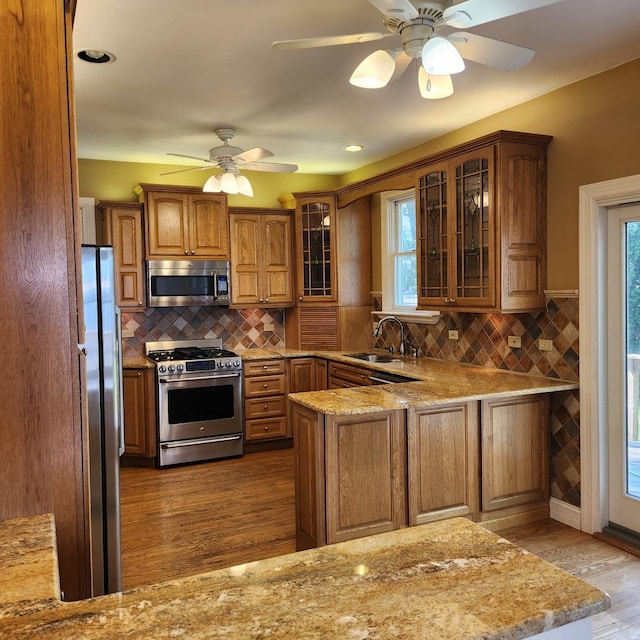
(442, 462)
(265, 406)
(139, 402)
(365, 474)
(343, 376)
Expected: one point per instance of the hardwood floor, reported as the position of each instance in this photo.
(186, 520)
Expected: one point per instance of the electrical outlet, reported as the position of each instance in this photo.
(453, 335)
(269, 327)
(545, 345)
(514, 341)
(127, 333)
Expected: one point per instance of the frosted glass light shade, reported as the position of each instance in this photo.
(229, 183)
(434, 87)
(212, 185)
(441, 58)
(375, 71)
(244, 186)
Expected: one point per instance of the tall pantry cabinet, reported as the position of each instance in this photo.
(43, 470)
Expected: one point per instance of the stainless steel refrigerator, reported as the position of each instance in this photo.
(103, 410)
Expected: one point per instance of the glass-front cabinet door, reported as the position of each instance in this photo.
(457, 233)
(316, 248)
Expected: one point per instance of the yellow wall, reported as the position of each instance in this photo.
(108, 180)
(596, 128)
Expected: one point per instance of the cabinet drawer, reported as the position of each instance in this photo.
(263, 367)
(264, 407)
(352, 376)
(264, 386)
(264, 429)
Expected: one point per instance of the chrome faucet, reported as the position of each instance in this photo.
(376, 331)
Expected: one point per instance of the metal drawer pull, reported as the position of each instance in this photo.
(189, 443)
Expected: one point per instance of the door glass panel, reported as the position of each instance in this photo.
(472, 229)
(316, 249)
(433, 236)
(632, 314)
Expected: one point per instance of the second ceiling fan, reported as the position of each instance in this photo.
(427, 32)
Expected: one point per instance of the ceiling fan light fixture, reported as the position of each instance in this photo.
(212, 185)
(229, 183)
(434, 87)
(375, 71)
(244, 186)
(441, 58)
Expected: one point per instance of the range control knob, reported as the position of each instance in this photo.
(162, 368)
(171, 368)
(180, 368)
(236, 363)
(220, 364)
(228, 364)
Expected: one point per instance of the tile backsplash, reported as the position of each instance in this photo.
(238, 329)
(482, 340)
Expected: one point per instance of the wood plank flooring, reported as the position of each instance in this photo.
(186, 520)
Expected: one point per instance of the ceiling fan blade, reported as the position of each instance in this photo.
(493, 53)
(277, 167)
(168, 173)
(252, 155)
(329, 41)
(184, 155)
(475, 12)
(402, 9)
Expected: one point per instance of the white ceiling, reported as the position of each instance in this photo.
(185, 67)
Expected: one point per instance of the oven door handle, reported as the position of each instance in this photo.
(216, 377)
(189, 443)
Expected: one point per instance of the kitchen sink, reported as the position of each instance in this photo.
(374, 357)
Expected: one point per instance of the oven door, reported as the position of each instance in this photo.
(200, 406)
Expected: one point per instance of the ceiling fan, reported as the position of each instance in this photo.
(229, 161)
(427, 31)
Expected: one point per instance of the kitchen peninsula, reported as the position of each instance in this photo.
(450, 580)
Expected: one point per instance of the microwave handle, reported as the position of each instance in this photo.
(215, 285)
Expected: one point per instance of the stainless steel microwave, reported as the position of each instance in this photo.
(187, 283)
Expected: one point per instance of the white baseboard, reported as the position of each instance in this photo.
(565, 513)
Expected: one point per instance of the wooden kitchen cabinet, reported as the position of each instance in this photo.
(442, 461)
(184, 222)
(481, 226)
(333, 274)
(350, 476)
(139, 400)
(261, 258)
(265, 405)
(307, 374)
(343, 376)
(514, 441)
(120, 225)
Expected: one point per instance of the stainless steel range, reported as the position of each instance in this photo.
(199, 400)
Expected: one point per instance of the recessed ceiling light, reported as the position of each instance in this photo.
(95, 56)
(353, 147)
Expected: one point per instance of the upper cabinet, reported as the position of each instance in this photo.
(315, 258)
(261, 258)
(482, 227)
(185, 222)
(120, 225)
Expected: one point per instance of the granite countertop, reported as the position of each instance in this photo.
(448, 580)
(137, 362)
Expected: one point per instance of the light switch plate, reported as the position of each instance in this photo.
(453, 334)
(515, 342)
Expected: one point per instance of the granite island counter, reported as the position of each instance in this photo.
(449, 580)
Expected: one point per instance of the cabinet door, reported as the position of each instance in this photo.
(315, 233)
(515, 451)
(302, 374)
(167, 224)
(208, 226)
(277, 256)
(365, 475)
(442, 462)
(139, 412)
(472, 235)
(245, 262)
(126, 239)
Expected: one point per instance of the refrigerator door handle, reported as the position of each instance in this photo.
(120, 394)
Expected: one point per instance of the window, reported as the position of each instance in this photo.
(398, 259)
